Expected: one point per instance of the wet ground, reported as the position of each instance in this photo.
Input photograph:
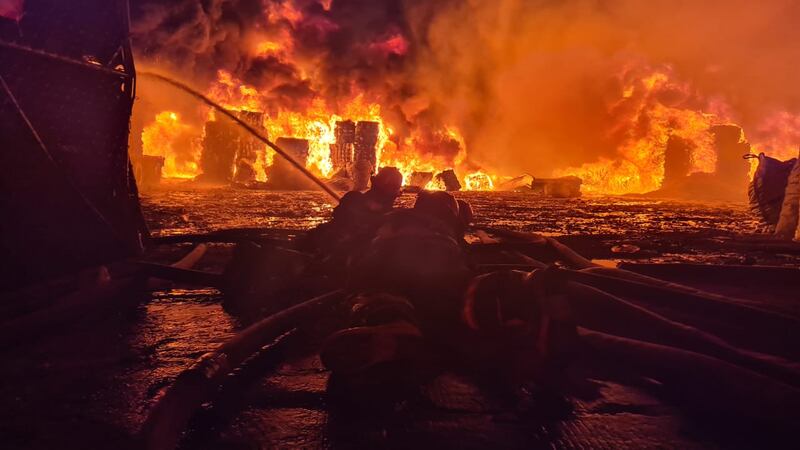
(90, 386)
(183, 211)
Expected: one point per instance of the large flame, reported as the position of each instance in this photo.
(317, 124)
(488, 89)
(646, 128)
(176, 141)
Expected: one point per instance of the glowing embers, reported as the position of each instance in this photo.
(479, 181)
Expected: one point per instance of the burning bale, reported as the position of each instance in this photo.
(244, 173)
(727, 182)
(151, 170)
(282, 174)
(418, 180)
(365, 153)
(449, 179)
(564, 187)
(366, 140)
(249, 146)
(342, 151)
(677, 160)
(220, 146)
(730, 146)
(229, 153)
(520, 183)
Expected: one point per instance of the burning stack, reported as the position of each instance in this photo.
(365, 154)
(730, 147)
(342, 151)
(283, 175)
(677, 161)
(220, 146)
(418, 180)
(229, 152)
(729, 180)
(248, 147)
(151, 170)
(449, 180)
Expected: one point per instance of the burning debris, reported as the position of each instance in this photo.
(564, 187)
(449, 180)
(310, 64)
(418, 180)
(283, 175)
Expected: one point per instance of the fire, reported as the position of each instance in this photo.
(432, 147)
(479, 181)
(176, 141)
(266, 48)
(639, 166)
(284, 11)
(317, 123)
(234, 95)
(596, 92)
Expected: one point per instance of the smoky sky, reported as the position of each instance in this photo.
(533, 85)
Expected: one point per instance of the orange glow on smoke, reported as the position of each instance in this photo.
(640, 166)
(491, 90)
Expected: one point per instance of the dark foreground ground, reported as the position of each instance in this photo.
(89, 385)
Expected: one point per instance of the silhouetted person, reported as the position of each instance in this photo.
(357, 216)
(379, 199)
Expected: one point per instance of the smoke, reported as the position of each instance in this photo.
(532, 85)
(540, 85)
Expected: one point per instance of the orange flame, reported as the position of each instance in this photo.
(176, 141)
(316, 124)
(639, 166)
